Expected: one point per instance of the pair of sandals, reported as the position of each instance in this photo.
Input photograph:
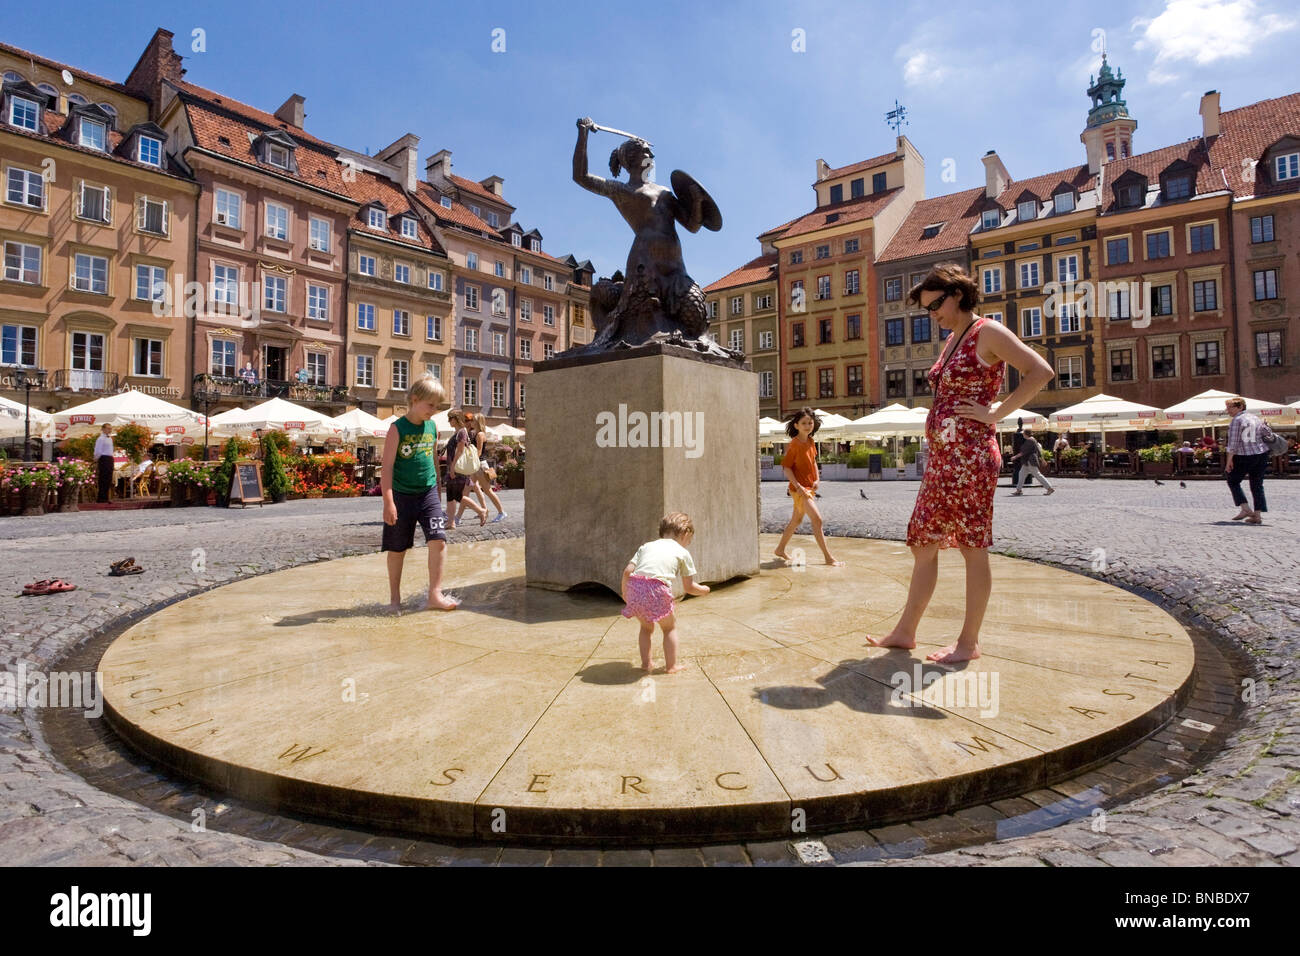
(48, 586)
(124, 567)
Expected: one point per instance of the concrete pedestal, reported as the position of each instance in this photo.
(615, 442)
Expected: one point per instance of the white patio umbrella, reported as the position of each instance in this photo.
(1031, 419)
(276, 414)
(1104, 413)
(362, 426)
(163, 418)
(440, 421)
(896, 419)
(506, 431)
(1207, 409)
(13, 420)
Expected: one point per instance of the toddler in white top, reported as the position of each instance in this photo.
(647, 586)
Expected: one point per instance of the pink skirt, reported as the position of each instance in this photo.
(648, 599)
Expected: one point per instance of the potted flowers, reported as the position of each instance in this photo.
(71, 475)
(33, 483)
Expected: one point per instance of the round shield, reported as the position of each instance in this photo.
(697, 205)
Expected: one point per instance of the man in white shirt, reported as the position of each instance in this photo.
(104, 462)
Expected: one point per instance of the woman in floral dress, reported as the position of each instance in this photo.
(954, 508)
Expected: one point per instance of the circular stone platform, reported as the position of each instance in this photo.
(524, 716)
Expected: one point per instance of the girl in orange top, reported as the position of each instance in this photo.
(800, 466)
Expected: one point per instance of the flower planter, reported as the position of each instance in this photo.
(70, 499)
(179, 495)
(34, 499)
(515, 479)
(1158, 469)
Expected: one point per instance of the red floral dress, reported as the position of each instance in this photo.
(954, 507)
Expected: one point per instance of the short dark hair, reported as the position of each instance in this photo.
(948, 277)
(790, 428)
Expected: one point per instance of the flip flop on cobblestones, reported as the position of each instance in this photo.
(48, 586)
(124, 567)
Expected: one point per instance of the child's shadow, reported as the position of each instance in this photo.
(611, 673)
(865, 686)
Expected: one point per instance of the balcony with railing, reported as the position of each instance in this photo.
(85, 381)
(217, 387)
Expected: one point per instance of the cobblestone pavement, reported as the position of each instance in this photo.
(1171, 544)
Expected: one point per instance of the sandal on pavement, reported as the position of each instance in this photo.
(53, 586)
(118, 568)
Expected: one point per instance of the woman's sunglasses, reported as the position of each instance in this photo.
(934, 306)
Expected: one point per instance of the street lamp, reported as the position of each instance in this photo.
(28, 379)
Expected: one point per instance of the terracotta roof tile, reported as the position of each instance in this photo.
(52, 131)
(858, 167)
(369, 187)
(457, 215)
(479, 189)
(1042, 186)
(958, 212)
(1244, 135)
(755, 270)
(855, 210)
(260, 117)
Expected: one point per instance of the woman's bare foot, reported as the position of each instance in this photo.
(394, 608)
(954, 653)
(675, 668)
(831, 562)
(440, 602)
(647, 666)
(893, 639)
(782, 555)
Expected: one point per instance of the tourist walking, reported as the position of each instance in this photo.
(954, 506)
(800, 467)
(104, 463)
(647, 586)
(481, 480)
(1247, 458)
(458, 484)
(1031, 459)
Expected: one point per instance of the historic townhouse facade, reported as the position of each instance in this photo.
(742, 310)
(935, 231)
(829, 343)
(97, 223)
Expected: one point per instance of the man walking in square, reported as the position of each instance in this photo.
(1030, 457)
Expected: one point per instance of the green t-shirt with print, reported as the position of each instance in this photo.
(415, 469)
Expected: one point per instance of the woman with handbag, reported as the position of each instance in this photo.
(481, 481)
(462, 464)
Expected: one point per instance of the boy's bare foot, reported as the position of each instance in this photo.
(831, 562)
(675, 668)
(893, 639)
(954, 653)
(440, 602)
(394, 607)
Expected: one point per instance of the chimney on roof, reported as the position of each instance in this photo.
(996, 176)
(495, 185)
(157, 63)
(291, 111)
(437, 168)
(404, 154)
(1210, 114)
(823, 170)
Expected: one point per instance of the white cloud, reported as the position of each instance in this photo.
(1203, 31)
(922, 70)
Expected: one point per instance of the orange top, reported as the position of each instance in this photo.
(801, 458)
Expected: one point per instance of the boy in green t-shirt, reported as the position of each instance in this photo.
(410, 488)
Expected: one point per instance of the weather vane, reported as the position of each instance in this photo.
(897, 117)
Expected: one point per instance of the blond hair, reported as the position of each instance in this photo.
(676, 525)
(428, 389)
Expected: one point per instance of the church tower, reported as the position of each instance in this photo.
(1109, 133)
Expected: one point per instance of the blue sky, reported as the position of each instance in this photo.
(719, 89)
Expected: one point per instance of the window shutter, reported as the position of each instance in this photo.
(166, 220)
(140, 220)
(108, 208)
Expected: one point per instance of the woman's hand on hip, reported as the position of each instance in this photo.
(977, 412)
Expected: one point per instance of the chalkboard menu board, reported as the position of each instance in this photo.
(873, 467)
(246, 486)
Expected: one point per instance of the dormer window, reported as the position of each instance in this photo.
(76, 99)
(535, 245)
(476, 211)
(408, 228)
(516, 239)
(1063, 202)
(277, 156)
(1178, 187)
(446, 203)
(24, 113)
(990, 219)
(51, 92)
(494, 220)
(1286, 167)
(929, 232)
(1130, 196)
(1027, 210)
(149, 151)
(91, 133)
(376, 218)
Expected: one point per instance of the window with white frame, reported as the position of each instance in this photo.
(991, 280)
(408, 228)
(522, 387)
(535, 245)
(765, 340)
(737, 305)
(737, 339)
(494, 220)
(762, 302)
(433, 370)
(433, 328)
(23, 187)
(317, 363)
(319, 238)
(23, 263)
(229, 207)
(318, 302)
(526, 310)
(148, 358)
(1063, 202)
(476, 210)
(765, 380)
(711, 309)
(277, 155)
(1027, 210)
(366, 371)
(1119, 303)
(994, 317)
(91, 133)
(548, 282)
(445, 202)
(275, 293)
(17, 345)
(516, 240)
(90, 273)
(1068, 315)
(435, 280)
(401, 374)
(1265, 284)
(548, 350)
(469, 391)
(471, 297)
(1067, 268)
(402, 273)
(499, 269)
(151, 216)
(365, 316)
(225, 285)
(498, 393)
(1029, 275)
(366, 265)
(525, 275)
(277, 221)
(223, 360)
(149, 151)
(471, 261)
(498, 343)
(990, 218)
(471, 340)
(24, 113)
(150, 283)
(1031, 322)
(376, 218)
(525, 348)
(1205, 295)
(1286, 167)
(94, 203)
(1069, 371)
(401, 322)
